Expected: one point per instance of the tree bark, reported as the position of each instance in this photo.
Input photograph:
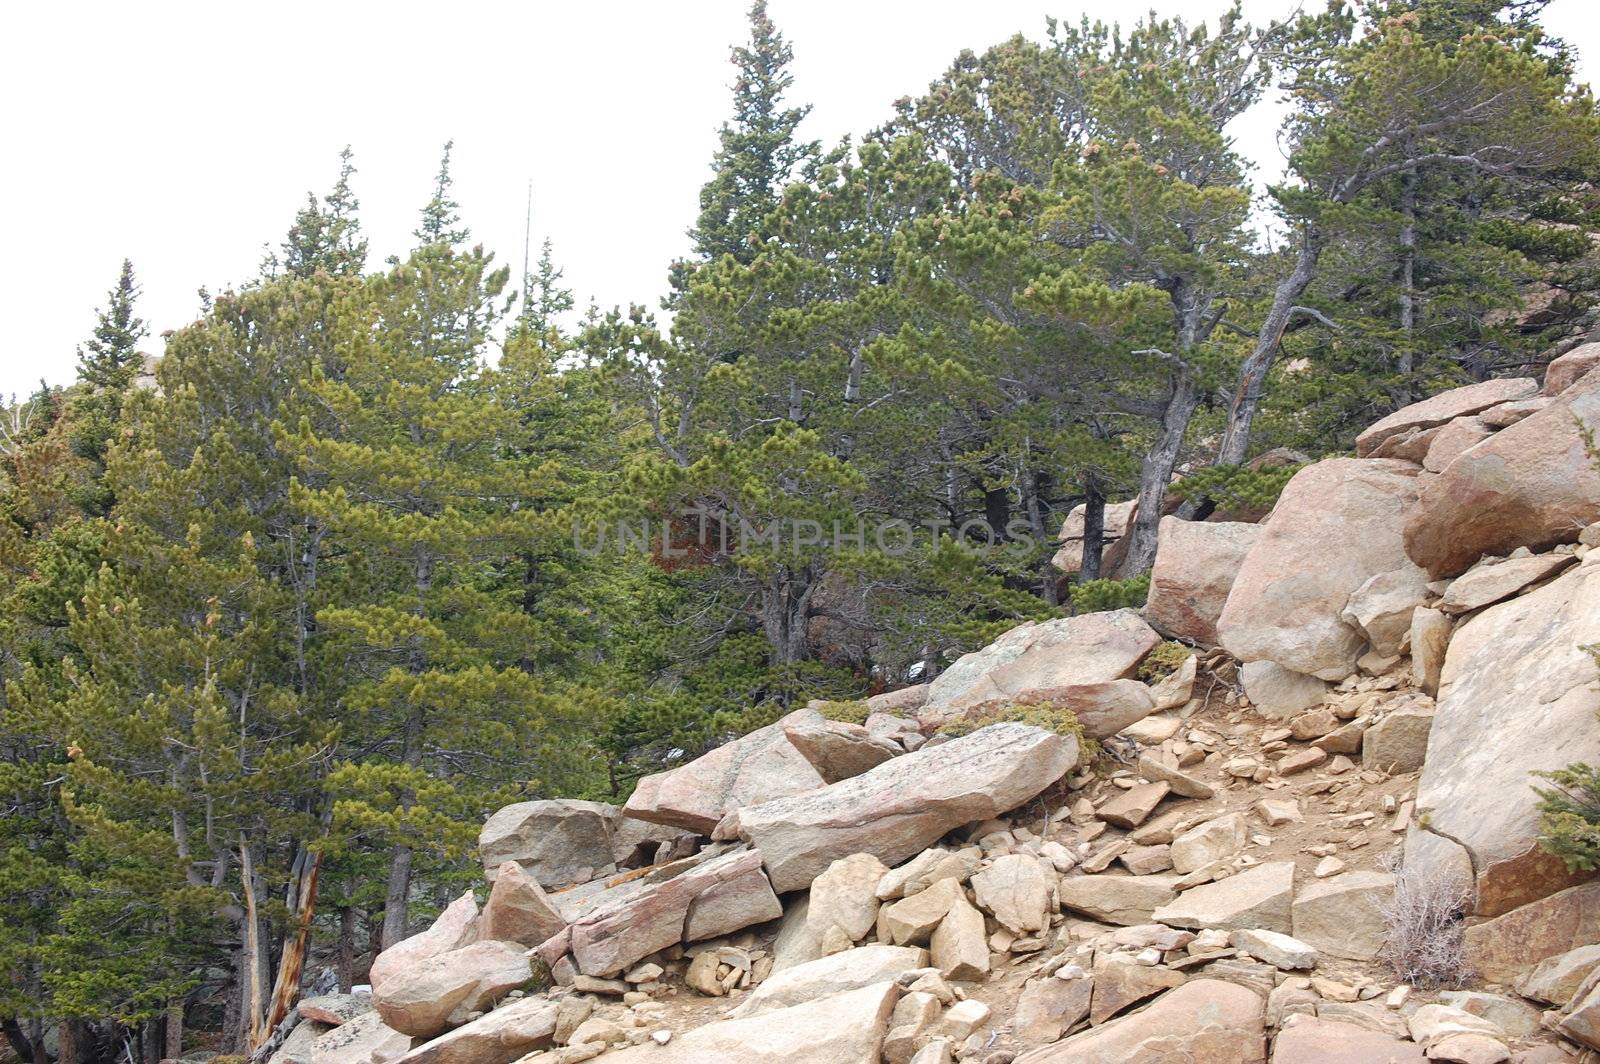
(1404, 364)
(345, 962)
(786, 611)
(1094, 529)
(1253, 373)
(174, 1048)
(252, 990)
(1155, 472)
(20, 1045)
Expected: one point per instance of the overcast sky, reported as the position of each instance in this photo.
(185, 135)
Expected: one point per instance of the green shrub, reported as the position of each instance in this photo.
(1095, 596)
(1058, 719)
(1569, 823)
(853, 712)
(1569, 811)
(1163, 661)
(1236, 487)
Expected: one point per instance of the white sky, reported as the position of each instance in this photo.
(184, 135)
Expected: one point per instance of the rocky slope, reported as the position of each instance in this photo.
(1238, 873)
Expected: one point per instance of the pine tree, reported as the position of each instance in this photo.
(757, 154)
(327, 235)
(441, 215)
(544, 299)
(107, 367)
(1387, 99)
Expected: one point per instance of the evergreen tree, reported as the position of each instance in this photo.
(441, 215)
(107, 367)
(757, 154)
(1391, 100)
(327, 235)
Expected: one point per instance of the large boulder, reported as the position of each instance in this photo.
(1256, 898)
(1306, 1039)
(1531, 485)
(1507, 948)
(1070, 660)
(1343, 916)
(716, 896)
(498, 1037)
(1119, 517)
(430, 997)
(457, 926)
(1517, 695)
(904, 805)
(1204, 1021)
(753, 768)
(1196, 563)
(1445, 407)
(846, 1028)
(1562, 373)
(518, 910)
(838, 749)
(1337, 525)
(558, 842)
(850, 970)
(364, 1038)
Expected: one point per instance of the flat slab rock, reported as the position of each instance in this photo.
(1446, 407)
(1306, 1039)
(751, 769)
(1516, 695)
(1030, 660)
(846, 1028)
(903, 806)
(851, 969)
(1204, 1021)
(1258, 897)
(498, 1037)
(717, 897)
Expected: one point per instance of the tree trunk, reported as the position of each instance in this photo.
(1094, 529)
(1253, 373)
(70, 1034)
(345, 962)
(397, 896)
(1155, 472)
(20, 1045)
(286, 990)
(1404, 364)
(785, 611)
(1049, 576)
(253, 990)
(174, 1048)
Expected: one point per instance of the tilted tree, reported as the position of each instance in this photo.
(1395, 101)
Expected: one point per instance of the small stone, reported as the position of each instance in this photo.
(1278, 950)
(1131, 809)
(1276, 812)
(964, 1017)
(1313, 724)
(1328, 866)
(1310, 757)
(1334, 990)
